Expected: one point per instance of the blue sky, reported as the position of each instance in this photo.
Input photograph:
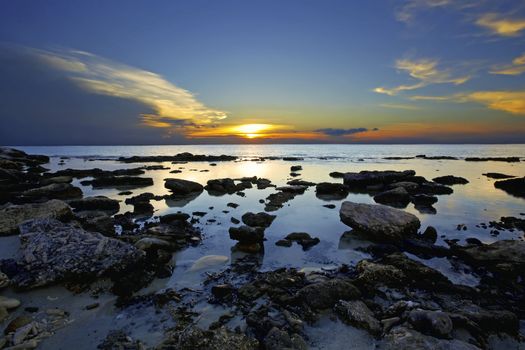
(400, 71)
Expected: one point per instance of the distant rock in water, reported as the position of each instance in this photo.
(498, 176)
(181, 157)
(183, 187)
(261, 219)
(515, 187)
(378, 221)
(96, 203)
(493, 159)
(450, 180)
(120, 181)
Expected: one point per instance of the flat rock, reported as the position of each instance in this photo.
(14, 215)
(378, 221)
(450, 180)
(357, 314)
(515, 187)
(96, 203)
(52, 251)
(183, 187)
(54, 191)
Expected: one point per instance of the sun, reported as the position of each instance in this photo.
(252, 131)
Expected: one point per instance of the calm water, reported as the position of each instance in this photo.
(470, 204)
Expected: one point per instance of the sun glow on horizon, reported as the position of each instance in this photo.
(252, 131)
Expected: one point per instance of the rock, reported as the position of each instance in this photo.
(371, 274)
(120, 181)
(183, 187)
(498, 176)
(277, 339)
(423, 199)
(97, 221)
(501, 255)
(298, 182)
(4, 280)
(379, 222)
(181, 157)
(3, 314)
(263, 183)
(336, 175)
(209, 261)
(119, 340)
(366, 178)
(52, 251)
(329, 206)
(493, 159)
(407, 185)
(96, 203)
(292, 189)
(261, 219)
(218, 187)
(409, 339)
(397, 197)
(247, 234)
(324, 295)
(434, 188)
(332, 190)
(284, 243)
(515, 187)
(303, 239)
(296, 168)
(174, 218)
(54, 191)
(14, 215)
(17, 323)
(434, 323)
(56, 180)
(277, 200)
(357, 314)
(221, 291)
(143, 208)
(450, 180)
(152, 243)
(193, 338)
(430, 234)
(9, 303)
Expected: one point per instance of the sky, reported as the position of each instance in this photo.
(249, 71)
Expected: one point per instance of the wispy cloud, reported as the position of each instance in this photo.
(407, 12)
(174, 106)
(499, 25)
(426, 72)
(343, 132)
(516, 68)
(512, 102)
(399, 106)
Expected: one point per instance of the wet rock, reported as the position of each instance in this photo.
(409, 339)
(193, 338)
(298, 182)
(96, 203)
(208, 261)
(277, 200)
(284, 243)
(263, 183)
(407, 185)
(174, 218)
(336, 174)
(423, 199)
(292, 189)
(12, 216)
(324, 295)
(450, 180)
(152, 243)
(371, 274)
(119, 181)
(52, 251)
(296, 168)
(329, 206)
(498, 176)
(261, 219)
(378, 221)
(277, 339)
(505, 255)
(493, 159)
(515, 187)
(181, 157)
(221, 186)
(357, 314)
(56, 180)
(303, 239)
(330, 190)
(53, 191)
(143, 208)
(397, 197)
(183, 187)
(232, 205)
(97, 221)
(366, 178)
(118, 339)
(221, 291)
(434, 188)
(247, 234)
(430, 234)
(434, 323)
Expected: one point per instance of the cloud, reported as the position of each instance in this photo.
(426, 71)
(516, 68)
(498, 25)
(399, 106)
(407, 12)
(343, 132)
(512, 102)
(173, 105)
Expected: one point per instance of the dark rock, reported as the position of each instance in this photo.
(324, 295)
(247, 234)
(297, 182)
(498, 176)
(336, 175)
(276, 200)
(193, 338)
(284, 243)
(450, 180)
(397, 197)
(183, 187)
(366, 178)
(430, 234)
(493, 159)
(303, 239)
(515, 187)
(277, 339)
(258, 220)
(434, 188)
(409, 339)
(222, 291)
(181, 157)
(331, 190)
(120, 181)
(54, 191)
(235, 221)
(434, 323)
(296, 168)
(329, 206)
(357, 314)
(174, 218)
(96, 203)
(232, 205)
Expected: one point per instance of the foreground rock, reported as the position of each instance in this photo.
(15, 215)
(515, 187)
(96, 203)
(52, 251)
(194, 338)
(504, 256)
(379, 222)
(53, 191)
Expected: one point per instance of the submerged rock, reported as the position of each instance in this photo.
(302, 238)
(505, 255)
(15, 215)
(52, 251)
(378, 221)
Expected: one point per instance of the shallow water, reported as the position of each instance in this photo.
(470, 204)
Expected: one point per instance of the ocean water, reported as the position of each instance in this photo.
(478, 201)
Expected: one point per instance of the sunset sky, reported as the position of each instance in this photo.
(290, 71)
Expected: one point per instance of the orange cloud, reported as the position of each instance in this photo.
(501, 26)
(516, 68)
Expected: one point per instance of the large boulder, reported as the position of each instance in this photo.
(378, 221)
(326, 294)
(54, 191)
(504, 255)
(14, 215)
(367, 178)
(183, 187)
(52, 251)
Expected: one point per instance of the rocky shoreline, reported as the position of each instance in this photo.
(80, 242)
